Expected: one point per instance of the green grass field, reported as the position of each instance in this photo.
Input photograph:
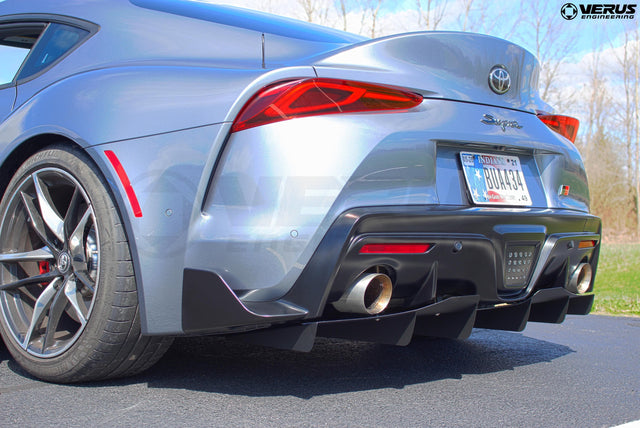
(617, 285)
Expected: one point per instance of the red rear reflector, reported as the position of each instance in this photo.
(563, 125)
(394, 248)
(587, 244)
(124, 179)
(313, 97)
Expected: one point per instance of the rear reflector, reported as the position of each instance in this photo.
(124, 179)
(395, 248)
(314, 97)
(563, 125)
(587, 244)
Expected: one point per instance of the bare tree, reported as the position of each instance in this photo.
(553, 44)
(632, 91)
(430, 13)
(317, 11)
(626, 113)
(603, 157)
(636, 72)
(597, 111)
(266, 6)
(344, 12)
(370, 10)
(489, 17)
(466, 12)
(631, 79)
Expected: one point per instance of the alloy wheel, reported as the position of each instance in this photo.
(50, 262)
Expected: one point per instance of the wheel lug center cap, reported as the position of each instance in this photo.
(64, 262)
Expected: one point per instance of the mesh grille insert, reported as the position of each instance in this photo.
(517, 264)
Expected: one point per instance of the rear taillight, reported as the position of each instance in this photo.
(313, 97)
(563, 125)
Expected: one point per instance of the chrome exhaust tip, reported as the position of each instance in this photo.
(580, 280)
(369, 295)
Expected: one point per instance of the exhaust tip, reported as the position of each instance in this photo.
(580, 280)
(369, 295)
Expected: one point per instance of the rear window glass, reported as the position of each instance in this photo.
(57, 40)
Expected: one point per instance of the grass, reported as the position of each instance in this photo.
(617, 285)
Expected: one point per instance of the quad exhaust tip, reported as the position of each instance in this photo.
(369, 295)
(580, 280)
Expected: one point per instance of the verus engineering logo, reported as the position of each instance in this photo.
(570, 11)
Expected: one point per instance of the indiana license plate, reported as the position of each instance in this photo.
(495, 179)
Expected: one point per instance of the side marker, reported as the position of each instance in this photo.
(124, 179)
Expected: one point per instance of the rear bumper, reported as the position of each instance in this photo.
(461, 282)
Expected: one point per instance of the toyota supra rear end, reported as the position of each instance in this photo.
(182, 168)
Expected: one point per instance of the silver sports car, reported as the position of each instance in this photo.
(171, 167)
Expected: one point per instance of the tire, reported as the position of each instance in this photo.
(68, 296)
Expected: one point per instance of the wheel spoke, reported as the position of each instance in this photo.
(72, 210)
(85, 279)
(71, 291)
(40, 310)
(36, 219)
(49, 214)
(45, 277)
(76, 240)
(58, 306)
(40, 254)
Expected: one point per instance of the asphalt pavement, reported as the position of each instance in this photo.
(582, 373)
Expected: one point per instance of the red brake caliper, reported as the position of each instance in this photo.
(43, 267)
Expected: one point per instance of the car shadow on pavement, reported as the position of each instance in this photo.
(214, 364)
(221, 365)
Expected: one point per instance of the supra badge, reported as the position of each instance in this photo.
(487, 119)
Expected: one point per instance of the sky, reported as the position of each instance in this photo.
(500, 16)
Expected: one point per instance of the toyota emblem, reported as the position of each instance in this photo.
(499, 79)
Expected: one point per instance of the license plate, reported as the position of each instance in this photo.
(495, 179)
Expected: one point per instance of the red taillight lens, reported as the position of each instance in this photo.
(395, 248)
(312, 97)
(563, 125)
